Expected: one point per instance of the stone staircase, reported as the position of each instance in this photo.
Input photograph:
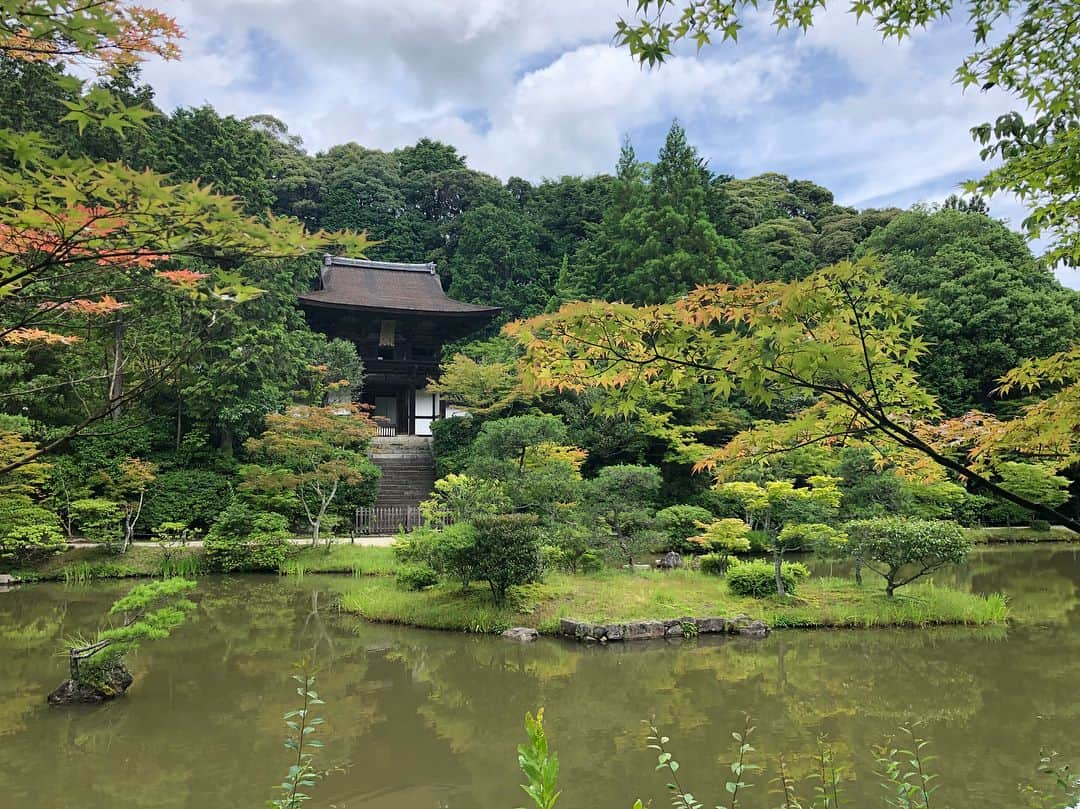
(408, 469)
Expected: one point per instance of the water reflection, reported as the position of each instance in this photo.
(424, 719)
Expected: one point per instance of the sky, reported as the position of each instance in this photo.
(537, 89)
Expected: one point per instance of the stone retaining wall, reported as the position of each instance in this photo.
(671, 628)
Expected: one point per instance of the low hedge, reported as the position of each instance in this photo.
(757, 577)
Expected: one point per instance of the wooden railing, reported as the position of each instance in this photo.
(385, 430)
(383, 520)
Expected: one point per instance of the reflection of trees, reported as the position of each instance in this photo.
(1041, 581)
(427, 717)
(207, 706)
(853, 685)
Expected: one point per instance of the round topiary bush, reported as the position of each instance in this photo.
(714, 564)
(757, 577)
(243, 539)
(28, 531)
(416, 577)
(679, 523)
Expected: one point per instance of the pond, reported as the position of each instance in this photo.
(422, 720)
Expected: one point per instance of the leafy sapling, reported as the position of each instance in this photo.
(539, 766)
(302, 725)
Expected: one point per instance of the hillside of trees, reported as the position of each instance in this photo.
(650, 231)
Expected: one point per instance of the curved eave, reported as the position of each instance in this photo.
(479, 312)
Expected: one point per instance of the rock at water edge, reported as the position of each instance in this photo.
(521, 634)
(110, 681)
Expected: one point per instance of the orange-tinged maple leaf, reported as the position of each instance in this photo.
(28, 336)
(181, 277)
(85, 306)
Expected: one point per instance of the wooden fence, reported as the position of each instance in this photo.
(383, 520)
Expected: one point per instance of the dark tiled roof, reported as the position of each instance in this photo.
(349, 283)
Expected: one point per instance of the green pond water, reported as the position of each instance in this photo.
(425, 720)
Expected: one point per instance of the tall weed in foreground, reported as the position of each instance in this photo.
(904, 774)
(301, 724)
(539, 766)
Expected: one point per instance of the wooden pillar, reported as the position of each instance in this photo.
(412, 401)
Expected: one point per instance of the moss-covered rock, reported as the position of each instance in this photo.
(104, 682)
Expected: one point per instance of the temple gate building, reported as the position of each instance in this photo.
(399, 318)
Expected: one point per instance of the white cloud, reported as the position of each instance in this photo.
(538, 90)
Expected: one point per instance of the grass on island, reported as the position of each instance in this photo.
(608, 596)
(357, 560)
(1020, 534)
(654, 595)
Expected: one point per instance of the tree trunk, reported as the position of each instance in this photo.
(778, 562)
(858, 570)
(224, 439)
(116, 376)
(179, 422)
(315, 532)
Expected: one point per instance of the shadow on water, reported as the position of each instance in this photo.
(424, 719)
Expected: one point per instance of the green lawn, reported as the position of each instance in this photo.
(359, 560)
(614, 596)
(605, 597)
(89, 563)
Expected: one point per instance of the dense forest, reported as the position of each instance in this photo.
(647, 233)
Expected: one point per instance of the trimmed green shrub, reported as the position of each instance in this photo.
(714, 564)
(191, 496)
(552, 557)
(451, 443)
(245, 539)
(458, 498)
(416, 577)
(558, 557)
(680, 523)
(760, 541)
(28, 531)
(757, 577)
(901, 551)
(450, 552)
(1039, 525)
(507, 552)
(590, 562)
(98, 520)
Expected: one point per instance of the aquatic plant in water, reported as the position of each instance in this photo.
(302, 773)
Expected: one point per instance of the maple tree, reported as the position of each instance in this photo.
(1045, 432)
(312, 453)
(128, 485)
(840, 342)
(483, 387)
(100, 33)
(82, 239)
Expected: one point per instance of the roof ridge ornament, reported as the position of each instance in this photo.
(364, 263)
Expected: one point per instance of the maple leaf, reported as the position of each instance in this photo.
(181, 277)
(29, 336)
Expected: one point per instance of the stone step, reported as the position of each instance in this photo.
(408, 470)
